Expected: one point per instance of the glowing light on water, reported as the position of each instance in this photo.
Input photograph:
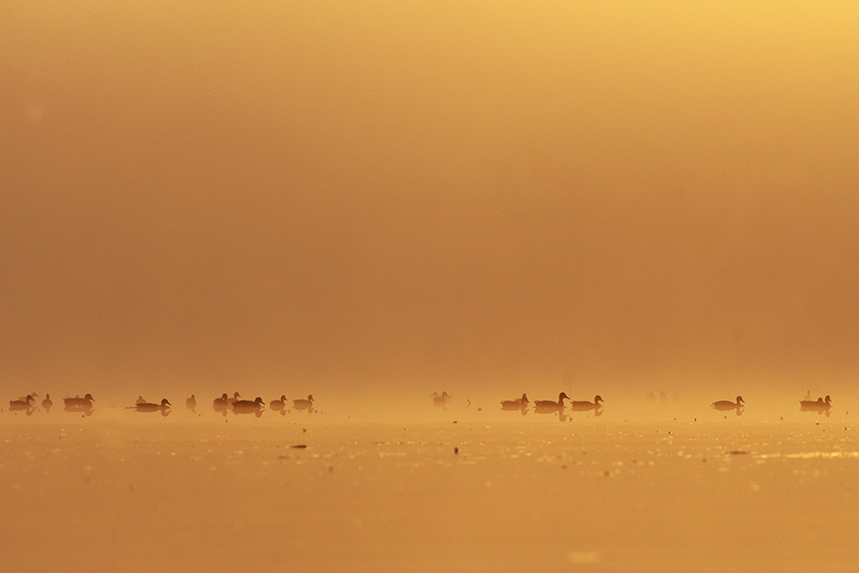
(809, 455)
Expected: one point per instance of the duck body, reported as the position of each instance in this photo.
(150, 407)
(47, 403)
(441, 400)
(550, 406)
(278, 405)
(820, 405)
(78, 404)
(725, 405)
(22, 404)
(302, 404)
(584, 405)
(221, 404)
(515, 405)
(249, 406)
(191, 403)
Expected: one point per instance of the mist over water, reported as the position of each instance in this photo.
(374, 202)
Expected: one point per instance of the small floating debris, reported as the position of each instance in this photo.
(739, 453)
(299, 446)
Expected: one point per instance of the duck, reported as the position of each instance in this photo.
(149, 407)
(550, 406)
(191, 403)
(584, 405)
(278, 405)
(724, 405)
(820, 405)
(47, 404)
(249, 406)
(78, 404)
(515, 405)
(222, 404)
(236, 397)
(21, 404)
(301, 404)
(441, 400)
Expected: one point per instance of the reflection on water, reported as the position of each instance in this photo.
(647, 496)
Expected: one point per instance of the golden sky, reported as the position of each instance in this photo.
(352, 192)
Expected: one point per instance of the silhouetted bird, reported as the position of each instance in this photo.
(78, 404)
(278, 405)
(191, 403)
(47, 404)
(584, 405)
(550, 406)
(820, 405)
(163, 407)
(515, 405)
(301, 404)
(441, 400)
(22, 404)
(221, 404)
(724, 405)
(249, 406)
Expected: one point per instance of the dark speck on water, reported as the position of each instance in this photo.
(299, 446)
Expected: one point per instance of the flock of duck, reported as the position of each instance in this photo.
(223, 404)
(552, 407)
(522, 405)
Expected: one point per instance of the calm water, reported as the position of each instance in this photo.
(125, 492)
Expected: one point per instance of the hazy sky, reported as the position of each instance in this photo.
(361, 194)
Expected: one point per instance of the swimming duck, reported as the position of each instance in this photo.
(820, 405)
(249, 406)
(236, 397)
(78, 404)
(191, 403)
(47, 404)
(441, 400)
(221, 404)
(278, 405)
(724, 405)
(22, 404)
(550, 406)
(515, 405)
(584, 405)
(303, 404)
(149, 407)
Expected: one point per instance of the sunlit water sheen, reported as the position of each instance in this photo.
(126, 492)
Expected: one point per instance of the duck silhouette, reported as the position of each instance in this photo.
(191, 403)
(515, 405)
(47, 404)
(820, 405)
(22, 404)
(78, 404)
(163, 407)
(441, 400)
(249, 407)
(222, 404)
(584, 405)
(550, 406)
(302, 404)
(725, 405)
(278, 405)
